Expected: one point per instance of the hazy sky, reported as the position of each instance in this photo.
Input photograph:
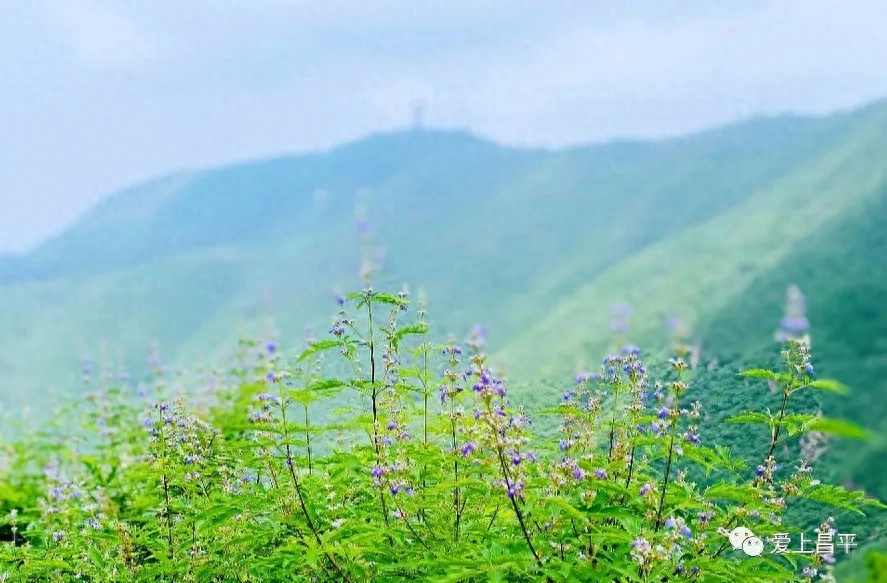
(96, 95)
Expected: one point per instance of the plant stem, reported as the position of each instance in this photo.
(290, 464)
(517, 511)
(776, 431)
(308, 438)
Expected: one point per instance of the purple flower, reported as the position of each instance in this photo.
(645, 489)
(664, 413)
(631, 349)
(578, 473)
(271, 347)
(686, 532)
(670, 524)
(809, 369)
(468, 449)
(794, 324)
(377, 472)
(513, 490)
(600, 473)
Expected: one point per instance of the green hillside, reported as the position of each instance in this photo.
(495, 235)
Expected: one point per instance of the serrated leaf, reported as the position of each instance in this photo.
(318, 346)
(728, 491)
(852, 500)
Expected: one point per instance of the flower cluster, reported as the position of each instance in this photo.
(794, 324)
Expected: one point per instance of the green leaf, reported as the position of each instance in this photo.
(318, 346)
(750, 417)
(761, 373)
(728, 491)
(96, 557)
(838, 427)
(852, 500)
(829, 385)
(568, 508)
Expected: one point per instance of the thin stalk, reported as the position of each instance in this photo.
(613, 423)
(301, 498)
(308, 438)
(375, 395)
(516, 508)
(456, 490)
(168, 505)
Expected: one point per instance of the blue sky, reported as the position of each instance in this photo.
(96, 95)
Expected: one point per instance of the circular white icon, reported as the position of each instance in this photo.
(753, 546)
(738, 535)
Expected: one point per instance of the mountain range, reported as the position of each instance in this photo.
(537, 245)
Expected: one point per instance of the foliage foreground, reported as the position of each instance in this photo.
(425, 471)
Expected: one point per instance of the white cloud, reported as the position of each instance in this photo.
(101, 38)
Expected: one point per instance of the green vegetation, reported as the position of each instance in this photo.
(705, 232)
(431, 473)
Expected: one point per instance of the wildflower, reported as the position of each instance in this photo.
(641, 551)
(377, 472)
(58, 535)
(686, 532)
(600, 474)
(631, 349)
(578, 473)
(645, 489)
(513, 490)
(468, 449)
(670, 523)
(619, 318)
